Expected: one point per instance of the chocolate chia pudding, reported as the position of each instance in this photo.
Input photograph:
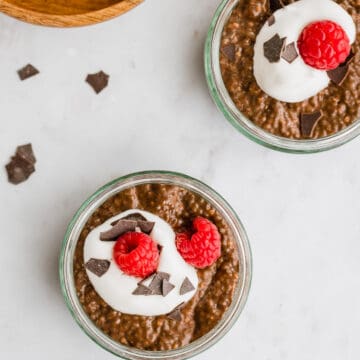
(333, 108)
(216, 283)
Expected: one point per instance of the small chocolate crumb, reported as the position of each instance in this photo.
(271, 20)
(27, 72)
(98, 81)
(21, 165)
(276, 5)
(176, 313)
(122, 227)
(229, 51)
(186, 286)
(167, 287)
(338, 75)
(308, 123)
(273, 48)
(97, 266)
(142, 290)
(290, 53)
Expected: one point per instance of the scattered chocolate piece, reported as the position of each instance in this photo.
(308, 123)
(157, 281)
(186, 286)
(26, 152)
(122, 227)
(176, 314)
(338, 75)
(167, 287)
(27, 72)
(97, 266)
(142, 290)
(271, 20)
(273, 48)
(144, 225)
(229, 51)
(276, 5)
(290, 53)
(98, 81)
(21, 165)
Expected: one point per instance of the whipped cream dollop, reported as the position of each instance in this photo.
(116, 288)
(297, 81)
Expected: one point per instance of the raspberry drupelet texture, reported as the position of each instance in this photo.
(136, 254)
(324, 45)
(201, 248)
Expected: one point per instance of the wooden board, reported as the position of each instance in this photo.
(66, 13)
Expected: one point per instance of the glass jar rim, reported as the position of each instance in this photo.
(75, 228)
(236, 118)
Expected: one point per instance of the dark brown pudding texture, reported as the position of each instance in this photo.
(217, 283)
(340, 104)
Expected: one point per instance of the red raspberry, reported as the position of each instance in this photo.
(203, 247)
(324, 45)
(136, 254)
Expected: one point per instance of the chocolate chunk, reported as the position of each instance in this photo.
(276, 5)
(350, 58)
(26, 153)
(97, 266)
(21, 165)
(122, 227)
(142, 290)
(27, 72)
(186, 286)
(98, 81)
(290, 53)
(146, 226)
(167, 287)
(229, 51)
(176, 313)
(338, 75)
(273, 48)
(308, 123)
(157, 281)
(271, 20)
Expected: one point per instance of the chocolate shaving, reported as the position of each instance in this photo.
(229, 51)
(21, 165)
(276, 5)
(338, 75)
(144, 225)
(98, 81)
(122, 227)
(290, 53)
(350, 58)
(167, 287)
(308, 123)
(186, 286)
(142, 290)
(27, 72)
(271, 20)
(176, 313)
(97, 266)
(157, 281)
(273, 48)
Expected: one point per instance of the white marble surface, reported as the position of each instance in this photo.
(301, 212)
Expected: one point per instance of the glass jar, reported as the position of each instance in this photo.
(241, 122)
(86, 210)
